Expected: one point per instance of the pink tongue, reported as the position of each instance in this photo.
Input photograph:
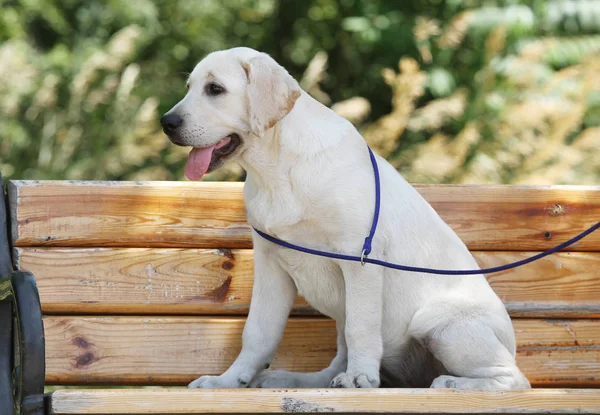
(199, 160)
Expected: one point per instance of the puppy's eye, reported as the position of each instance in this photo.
(213, 89)
(187, 86)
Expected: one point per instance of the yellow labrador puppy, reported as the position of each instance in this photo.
(310, 182)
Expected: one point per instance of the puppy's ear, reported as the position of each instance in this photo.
(272, 92)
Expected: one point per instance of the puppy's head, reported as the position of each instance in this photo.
(233, 96)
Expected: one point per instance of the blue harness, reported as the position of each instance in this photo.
(364, 259)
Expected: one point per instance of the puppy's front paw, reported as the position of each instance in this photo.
(219, 382)
(359, 380)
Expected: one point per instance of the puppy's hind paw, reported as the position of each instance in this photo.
(276, 379)
(349, 380)
(219, 382)
(444, 381)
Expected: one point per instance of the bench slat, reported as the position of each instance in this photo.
(196, 281)
(175, 350)
(425, 401)
(211, 215)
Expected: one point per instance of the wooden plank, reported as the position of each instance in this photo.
(170, 350)
(211, 215)
(562, 285)
(61, 213)
(143, 280)
(423, 401)
(559, 352)
(175, 350)
(196, 281)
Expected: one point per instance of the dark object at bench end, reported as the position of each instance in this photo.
(22, 361)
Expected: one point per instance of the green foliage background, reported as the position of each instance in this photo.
(466, 91)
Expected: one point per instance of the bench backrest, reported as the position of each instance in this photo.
(148, 283)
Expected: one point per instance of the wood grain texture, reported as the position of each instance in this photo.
(198, 281)
(143, 280)
(562, 285)
(175, 350)
(423, 401)
(170, 350)
(211, 215)
(61, 213)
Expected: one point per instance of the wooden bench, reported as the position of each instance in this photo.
(148, 284)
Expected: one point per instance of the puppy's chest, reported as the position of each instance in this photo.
(282, 212)
(271, 210)
(318, 280)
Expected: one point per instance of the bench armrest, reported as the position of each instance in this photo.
(22, 349)
(30, 368)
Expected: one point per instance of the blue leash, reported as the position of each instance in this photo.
(363, 259)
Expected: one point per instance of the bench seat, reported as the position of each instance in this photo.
(149, 283)
(416, 401)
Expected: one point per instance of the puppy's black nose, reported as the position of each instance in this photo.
(170, 123)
